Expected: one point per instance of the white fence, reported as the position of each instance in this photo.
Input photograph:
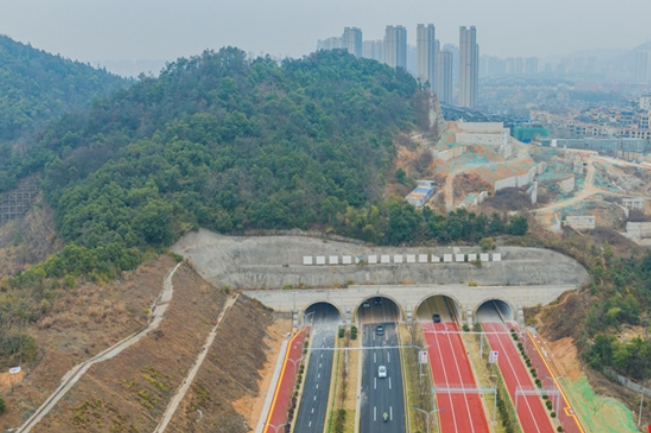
(385, 259)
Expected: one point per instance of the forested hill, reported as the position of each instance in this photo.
(226, 143)
(36, 87)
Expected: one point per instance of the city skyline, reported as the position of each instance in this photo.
(91, 30)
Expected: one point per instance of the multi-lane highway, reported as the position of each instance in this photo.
(314, 401)
(460, 405)
(381, 395)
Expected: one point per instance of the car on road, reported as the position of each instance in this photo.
(381, 372)
(365, 304)
(436, 318)
(379, 330)
(378, 301)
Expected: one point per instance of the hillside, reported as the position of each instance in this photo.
(36, 87)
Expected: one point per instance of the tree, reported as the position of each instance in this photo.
(518, 226)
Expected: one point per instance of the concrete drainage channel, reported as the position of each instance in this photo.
(73, 376)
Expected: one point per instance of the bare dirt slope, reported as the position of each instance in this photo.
(80, 323)
(227, 385)
(130, 392)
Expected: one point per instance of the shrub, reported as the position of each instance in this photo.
(342, 332)
(465, 327)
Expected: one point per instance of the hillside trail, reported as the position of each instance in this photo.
(449, 191)
(185, 385)
(72, 377)
(588, 190)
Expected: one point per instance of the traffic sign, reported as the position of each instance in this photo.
(492, 358)
(422, 357)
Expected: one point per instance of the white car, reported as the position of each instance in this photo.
(381, 372)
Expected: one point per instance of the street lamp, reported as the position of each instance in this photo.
(428, 414)
(276, 427)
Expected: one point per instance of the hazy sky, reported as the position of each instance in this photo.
(90, 30)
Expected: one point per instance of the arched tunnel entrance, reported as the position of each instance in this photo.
(494, 311)
(378, 309)
(321, 313)
(439, 308)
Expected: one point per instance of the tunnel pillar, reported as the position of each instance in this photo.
(469, 319)
(349, 317)
(408, 315)
(520, 315)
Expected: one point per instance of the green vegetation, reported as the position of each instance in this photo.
(36, 87)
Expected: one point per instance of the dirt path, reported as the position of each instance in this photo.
(449, 191)
(178, 397)
(588, 190)
(72, 376)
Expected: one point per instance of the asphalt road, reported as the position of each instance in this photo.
(314, 400)
(380, 395)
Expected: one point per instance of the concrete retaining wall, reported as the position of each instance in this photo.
(494, 140)
(278, 261)
(583, 222)
(447, 155)
(520, 180)
(638, 230)
(567, 185)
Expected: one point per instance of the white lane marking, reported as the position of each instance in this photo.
(312, 410)
(388, 356)
(315, 398)
(317, 386)
(374, 413)
(517, 378)
(374, 357)
(375, 383)
(318, 376)
(456, 364)
(437, 347)
(389, 383)
(310, 424)
(391, 413)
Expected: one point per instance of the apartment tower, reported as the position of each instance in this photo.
(395, 46)
(443, 77)
(468, 66)
(426, 54)
(352, 40)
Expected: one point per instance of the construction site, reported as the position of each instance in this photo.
(480, 166)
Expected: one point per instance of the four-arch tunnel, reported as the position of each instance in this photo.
(468, 300)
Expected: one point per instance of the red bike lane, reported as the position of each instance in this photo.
(564, 410)
(459, 411)
(530, 410)
(282, 399)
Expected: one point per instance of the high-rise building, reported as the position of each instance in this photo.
(329, 44)
(468, 66)
(426, 54)
(443, 76)
(373, 50)
(352, 40)
(642, 66)
(531, 65)
(395, 46)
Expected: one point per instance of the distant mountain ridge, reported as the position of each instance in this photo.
(36, 87)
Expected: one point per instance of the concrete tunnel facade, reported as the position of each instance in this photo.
(408, 299)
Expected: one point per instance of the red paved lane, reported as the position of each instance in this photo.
(459, 412)
(566, 413)
(531, 412)
(285, 387)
